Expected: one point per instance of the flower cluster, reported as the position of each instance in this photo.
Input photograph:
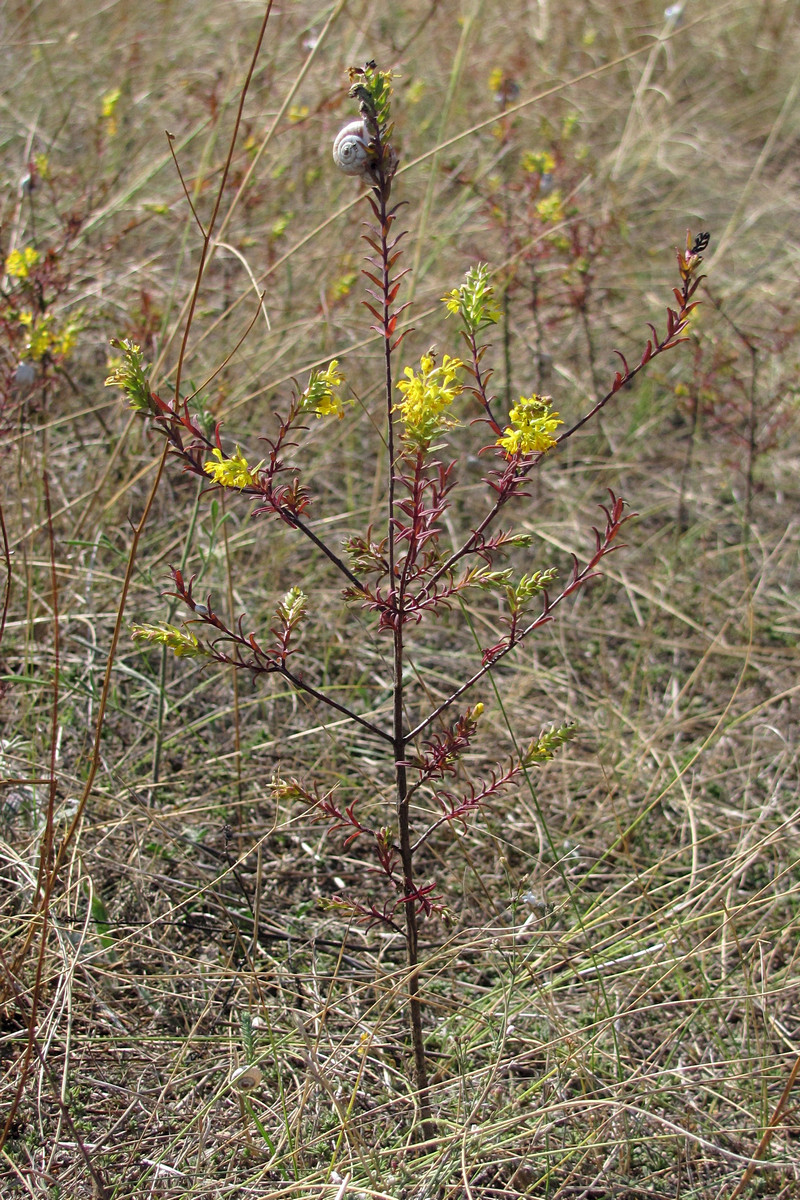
(532, 428)
(108, 111)
(427, 396)
(373, 89)
(232, 472)
(45, 337)
(19, 262)
(474, 300)
(129, 372)
(547, 745)
(37, 334)
(538, 162)
(321, 397)
(551, 210)
(292, 607)
(182, 642)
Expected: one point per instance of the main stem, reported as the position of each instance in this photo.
(398, 730)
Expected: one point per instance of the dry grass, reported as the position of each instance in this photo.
(614, 1010)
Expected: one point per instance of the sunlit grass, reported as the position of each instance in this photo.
(613, 1010)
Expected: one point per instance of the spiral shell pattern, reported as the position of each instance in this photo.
(351, 152)
(247, 1078)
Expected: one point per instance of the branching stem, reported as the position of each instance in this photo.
(399, 737)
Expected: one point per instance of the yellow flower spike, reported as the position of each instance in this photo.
(321, 397)
(532, 428)
(538, 162)
(19, 262)
(182, 642)
(108, 110)
(45, 337)
(551, 209)
(496, 79)
(474, 301)
(231, 472)
(427, 396)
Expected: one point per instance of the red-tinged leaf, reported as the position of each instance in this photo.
(397, 341)
(648, 350)
(617, 384)
(391, 325)
(378, 282)
(393, 293)
(394, 280)
(623, 360)
(391, 262)
(377, 315)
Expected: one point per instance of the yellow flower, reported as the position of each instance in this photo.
(474, 301)
(45, 337)
(19, 262)
(64, 343)
(279, 226)
(551, 209)
(231, 472)
(182, 642)
(129, 372)
(532, 428)
(538, 163)
(108, 110)
(427, 396)
(320, 397)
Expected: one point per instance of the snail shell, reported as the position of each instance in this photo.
(247, 1078)
(351, 151)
